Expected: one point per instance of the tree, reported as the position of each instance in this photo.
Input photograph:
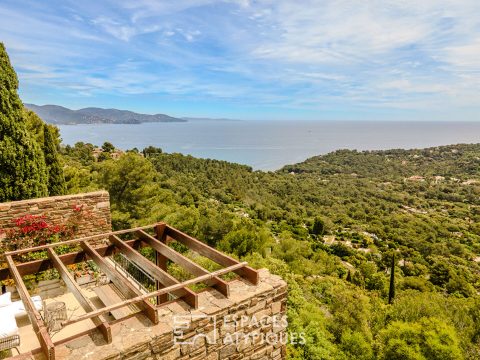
(103, 156)
(23, 173)
(34, 125)
(440, 274)
(429, 338)
(213, 224)
(318, 227)
(131, 184)
(391, 290)
(56, 179)
(355, 346)
(108, 147)
(151, 151)
(79, 153)
(244, 241)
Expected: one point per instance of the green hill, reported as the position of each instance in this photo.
(329, 226)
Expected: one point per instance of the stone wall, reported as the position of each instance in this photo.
(58, 209)
(256, 315)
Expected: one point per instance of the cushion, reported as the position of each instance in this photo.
(19, 309)
(8, 325)
(5, 299)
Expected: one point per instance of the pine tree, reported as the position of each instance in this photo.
(23, 171)
(318, 227)
(391, 291)
(56, 180)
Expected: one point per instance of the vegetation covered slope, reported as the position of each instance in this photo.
(330, 226)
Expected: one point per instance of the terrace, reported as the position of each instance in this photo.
(119, 295)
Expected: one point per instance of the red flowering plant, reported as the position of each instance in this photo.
(35, 230)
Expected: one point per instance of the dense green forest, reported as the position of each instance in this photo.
(330, 226)
(335, 227)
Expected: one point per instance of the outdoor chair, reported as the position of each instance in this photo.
(9, 311)
(10, 342)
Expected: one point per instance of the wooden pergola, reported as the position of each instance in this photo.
(165, 283)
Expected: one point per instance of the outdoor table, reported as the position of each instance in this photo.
(55, 313)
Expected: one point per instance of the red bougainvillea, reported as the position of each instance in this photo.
(33, 230)
(77, 208)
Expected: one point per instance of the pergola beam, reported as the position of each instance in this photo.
(74, 288)
(122, 283)
(36, 320)
(203, 249)
(35, 266)
(162, 276)
(76, 241)
(182, 261)
(154, 293)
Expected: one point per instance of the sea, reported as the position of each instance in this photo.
(269, 145)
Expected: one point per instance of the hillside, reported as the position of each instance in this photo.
(448, 161)
(60, 115)
(330, 226)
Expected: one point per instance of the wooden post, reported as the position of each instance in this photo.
(37, 322)
(74, 288)
(160, 260)
(203, 249)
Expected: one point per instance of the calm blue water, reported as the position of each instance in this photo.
(268, 145)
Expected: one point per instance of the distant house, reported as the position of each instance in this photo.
(417, 178)
(96, 152)
(470, 182)
(115, 154)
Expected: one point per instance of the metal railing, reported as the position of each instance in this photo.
(131, 269)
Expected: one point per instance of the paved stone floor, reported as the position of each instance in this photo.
(137, 338)
(28, 339)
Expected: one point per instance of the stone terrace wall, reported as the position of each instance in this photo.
(58, 209)
(218, 318)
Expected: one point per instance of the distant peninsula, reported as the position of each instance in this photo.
(60, 115)
(208, 119)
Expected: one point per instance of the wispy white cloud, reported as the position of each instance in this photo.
(464, 57)
(306, 55)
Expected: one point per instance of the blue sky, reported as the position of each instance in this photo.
(266, 59)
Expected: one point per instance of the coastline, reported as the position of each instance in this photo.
(271, 145)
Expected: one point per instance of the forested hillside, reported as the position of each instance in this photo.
(330, 226)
